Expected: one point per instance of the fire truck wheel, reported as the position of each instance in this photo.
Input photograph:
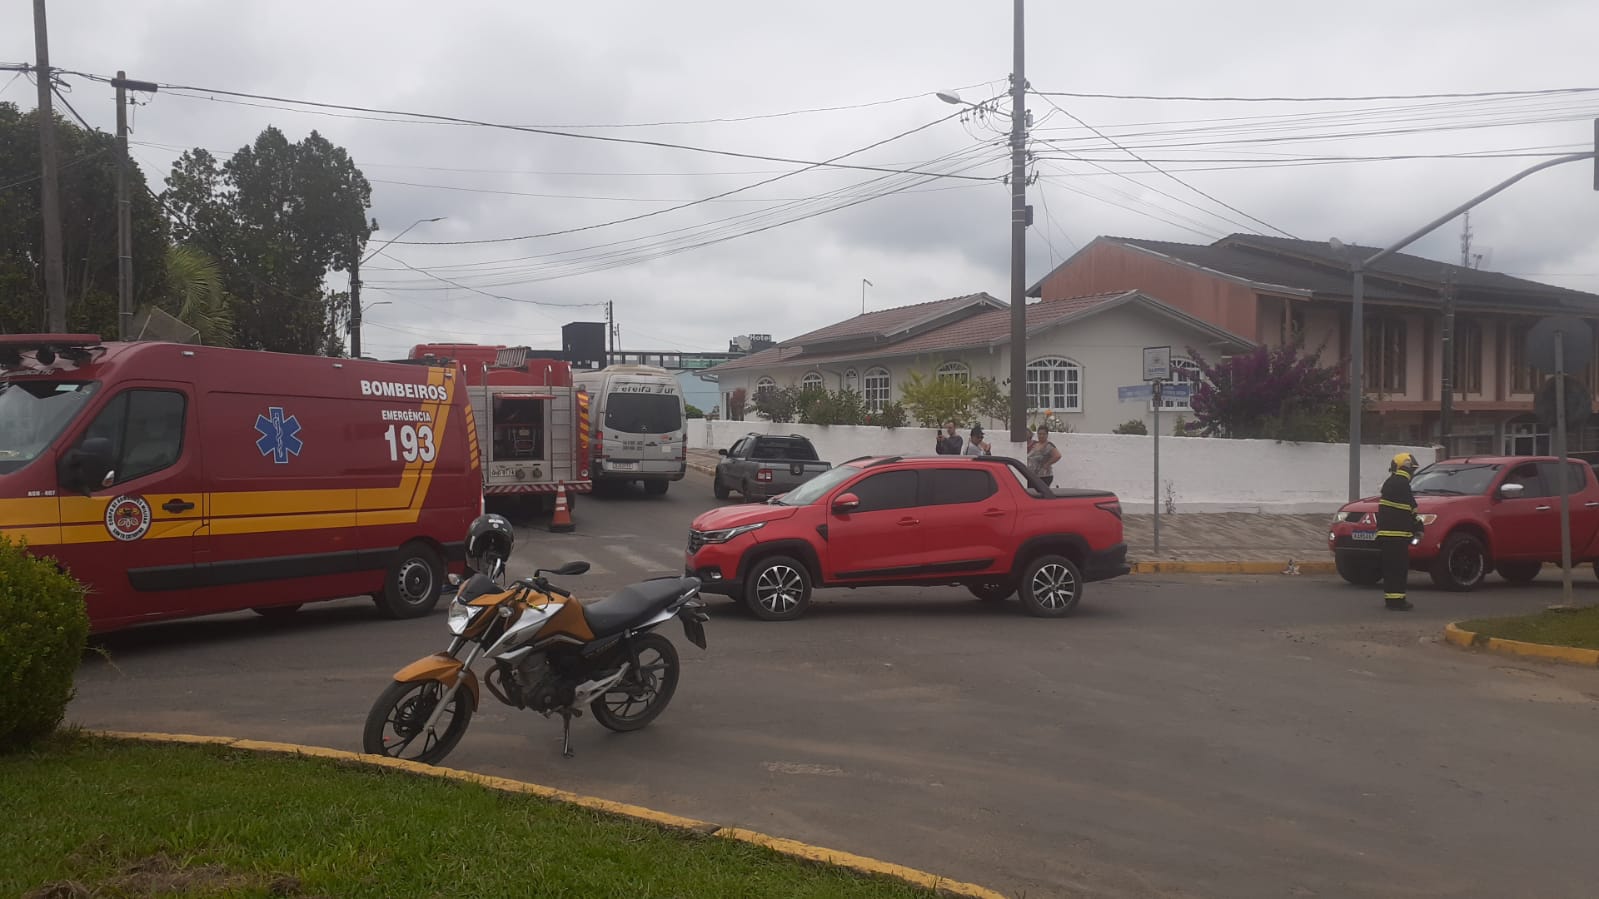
(412, 584)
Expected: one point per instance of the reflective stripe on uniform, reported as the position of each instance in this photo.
(1393, 596)
(1393, 505)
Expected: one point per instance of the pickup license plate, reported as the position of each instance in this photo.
(623, 466)
(1364, 536)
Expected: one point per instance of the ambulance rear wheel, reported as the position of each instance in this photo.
(412, 584)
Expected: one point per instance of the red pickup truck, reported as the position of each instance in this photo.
(982, 522)
(1481, 513)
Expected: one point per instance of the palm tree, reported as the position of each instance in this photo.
(196, 297)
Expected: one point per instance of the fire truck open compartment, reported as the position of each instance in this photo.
(519, 422)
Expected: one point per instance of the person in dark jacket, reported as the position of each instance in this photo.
(1397, 525)
(949, 442)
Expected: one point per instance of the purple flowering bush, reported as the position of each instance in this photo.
(1271, 393)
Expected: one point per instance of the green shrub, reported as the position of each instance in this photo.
(43, 627)
(933, 401)
(692, 411)
(892, 416)
(1132, 426)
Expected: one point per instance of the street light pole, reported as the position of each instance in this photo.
(355, 285)
(1356, 320)
(1018, 235)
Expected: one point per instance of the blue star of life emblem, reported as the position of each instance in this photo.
(279, 435)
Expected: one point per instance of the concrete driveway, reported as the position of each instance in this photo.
(1177, 737)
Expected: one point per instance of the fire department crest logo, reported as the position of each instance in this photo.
(127, 517)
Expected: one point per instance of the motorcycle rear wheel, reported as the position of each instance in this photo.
(397, 717)
(643, 694)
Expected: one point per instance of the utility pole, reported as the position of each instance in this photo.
(125, 207)
(49, 189)
(1018, 234)
(1446, 411)
(355, 305)
(610, 332)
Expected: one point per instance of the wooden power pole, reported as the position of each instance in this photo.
(55, 290)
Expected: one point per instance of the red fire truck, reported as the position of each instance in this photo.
(532, 422)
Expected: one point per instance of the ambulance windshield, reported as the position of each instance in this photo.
(33, 413)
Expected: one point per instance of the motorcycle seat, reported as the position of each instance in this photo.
(635, 604)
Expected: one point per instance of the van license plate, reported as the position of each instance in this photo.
(624, 466)
(1365, 536)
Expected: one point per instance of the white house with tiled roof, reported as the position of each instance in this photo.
(1079, 352)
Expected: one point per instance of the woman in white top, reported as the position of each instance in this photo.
(1042, 456)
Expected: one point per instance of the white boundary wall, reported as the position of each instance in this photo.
(1205, 474)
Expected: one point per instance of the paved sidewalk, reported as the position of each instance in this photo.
(1200, 537)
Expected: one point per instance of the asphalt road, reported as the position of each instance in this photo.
(1176, 737)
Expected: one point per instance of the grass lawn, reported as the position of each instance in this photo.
(1579, 628)
(92, 817)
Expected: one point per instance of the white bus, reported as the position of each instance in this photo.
(638, 432)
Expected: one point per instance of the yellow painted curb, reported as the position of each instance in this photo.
(1208, 567)
(791, 848)
(1569, 654)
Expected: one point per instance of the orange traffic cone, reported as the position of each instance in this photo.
(562, 522)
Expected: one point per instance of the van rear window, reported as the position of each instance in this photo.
(643, 413)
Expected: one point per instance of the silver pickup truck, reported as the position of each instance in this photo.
(760, 466)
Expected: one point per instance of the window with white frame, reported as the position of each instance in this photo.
(852, 380)
(1054, 384)
(877, 389)
(811, 381)
(954, 371)
(765, 385)
(1185, 372)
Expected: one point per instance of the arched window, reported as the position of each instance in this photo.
(811, 381)
(1054, 384)
(954, 371)
(877, 389)
(765, 385)
(1185, 372)
(852, 379)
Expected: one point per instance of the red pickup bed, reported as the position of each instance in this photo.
(1480, 513)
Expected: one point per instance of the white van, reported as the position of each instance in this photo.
(638, 432)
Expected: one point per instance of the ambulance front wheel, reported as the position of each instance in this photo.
(412, 584)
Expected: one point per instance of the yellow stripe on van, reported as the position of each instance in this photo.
(38, 519)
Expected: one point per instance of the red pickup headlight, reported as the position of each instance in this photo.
(1114, 507)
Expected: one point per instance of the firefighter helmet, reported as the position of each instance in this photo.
(1403, 462)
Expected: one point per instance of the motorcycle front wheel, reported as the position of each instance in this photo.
(642, 695)
(395, 725)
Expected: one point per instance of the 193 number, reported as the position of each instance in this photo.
(410, 443)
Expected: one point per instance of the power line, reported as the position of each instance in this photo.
(1166, 173)
(1521, 93)
(215, 95)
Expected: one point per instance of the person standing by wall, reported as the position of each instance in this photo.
(949, 442)
(1042, 454)
(975, 445)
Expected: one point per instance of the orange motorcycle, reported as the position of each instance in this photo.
(546, 652)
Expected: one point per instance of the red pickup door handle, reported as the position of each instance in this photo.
(908, 522)
(994, 513)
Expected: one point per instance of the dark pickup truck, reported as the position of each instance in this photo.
(761, 466)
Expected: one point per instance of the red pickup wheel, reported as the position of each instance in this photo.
(1462, 563)
(1051, 586)
(1519, 572)
(778, 588)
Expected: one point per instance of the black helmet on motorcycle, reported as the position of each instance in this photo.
(489, 534)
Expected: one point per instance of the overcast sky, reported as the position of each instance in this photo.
(628, 62)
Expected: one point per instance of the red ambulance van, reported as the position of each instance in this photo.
(181, 480)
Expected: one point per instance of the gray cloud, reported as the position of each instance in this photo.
(635, 61)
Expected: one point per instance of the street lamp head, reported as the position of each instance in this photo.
(438, 218)
(1336, 244)
(950, 97)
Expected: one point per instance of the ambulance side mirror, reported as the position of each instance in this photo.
(85, 467)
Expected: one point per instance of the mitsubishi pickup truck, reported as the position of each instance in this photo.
(761, 466)
(1479, 514)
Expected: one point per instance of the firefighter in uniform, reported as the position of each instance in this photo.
(1397, 525)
